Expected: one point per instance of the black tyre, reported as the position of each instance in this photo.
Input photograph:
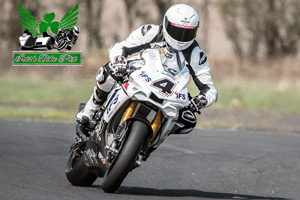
(126, 157)
(69, 47)
(49, 47)
(77, 173)
(50, 43)
(62, 44)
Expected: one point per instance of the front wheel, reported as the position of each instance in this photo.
(62, 44)
(126, 157)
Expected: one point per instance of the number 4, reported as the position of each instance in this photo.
(165, 86)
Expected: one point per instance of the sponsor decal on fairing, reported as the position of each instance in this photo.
(180, 96)
(145, 77)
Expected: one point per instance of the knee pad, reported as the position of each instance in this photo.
(99, 96)
(102, 74)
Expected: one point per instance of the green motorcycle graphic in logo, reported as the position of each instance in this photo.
(66, 30)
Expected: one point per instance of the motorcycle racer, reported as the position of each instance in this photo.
(69, 36)
(177, 33)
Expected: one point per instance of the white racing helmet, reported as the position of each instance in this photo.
(180, 26)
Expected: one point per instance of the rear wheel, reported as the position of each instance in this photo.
(77, 173)
(50, 43)
(126, 158)
(49, 47)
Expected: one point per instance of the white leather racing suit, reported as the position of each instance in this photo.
(151, 36)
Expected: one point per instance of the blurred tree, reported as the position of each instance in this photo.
(254, 24)
(204, 24)
(93, 22)
(138, 14)
(230, 14)
(273, 23)
(11, 28)
(142, 12)
(162, 6)
(129, 6)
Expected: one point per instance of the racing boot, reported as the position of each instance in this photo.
(104, 85)
(85, 116)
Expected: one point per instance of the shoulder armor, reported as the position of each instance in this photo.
(145, 29)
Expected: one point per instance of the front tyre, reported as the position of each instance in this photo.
(62, 44)
(77, 173)
(126, 157)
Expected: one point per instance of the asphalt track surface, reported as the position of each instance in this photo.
(206, 164)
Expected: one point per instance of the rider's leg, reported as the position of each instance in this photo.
(104, 84)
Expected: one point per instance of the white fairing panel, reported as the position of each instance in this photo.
(117, 101)
(43, 40)
(159, 79)
(165, 84)
(162, 85)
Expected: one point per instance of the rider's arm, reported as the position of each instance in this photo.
(200, 71)
(136, 41)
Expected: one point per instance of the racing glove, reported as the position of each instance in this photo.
(197, 103)
(119, 66)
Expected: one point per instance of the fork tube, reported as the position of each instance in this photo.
(156, 123)
(129, 111)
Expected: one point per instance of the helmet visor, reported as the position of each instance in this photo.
(179, 32)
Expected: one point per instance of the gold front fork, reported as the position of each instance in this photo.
(129, 111)
(155, 123)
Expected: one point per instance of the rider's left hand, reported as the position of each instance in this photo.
(197, 103)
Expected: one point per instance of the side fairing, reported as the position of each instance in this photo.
(116, 100)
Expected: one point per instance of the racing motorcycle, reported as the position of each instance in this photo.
(64, 39)
(139, 114)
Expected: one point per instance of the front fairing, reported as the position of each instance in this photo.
(150, 84)
(153, 83)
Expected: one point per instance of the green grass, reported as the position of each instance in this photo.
(44, 113)
(14, 90)
(22, 98)
(42, 99)
(256, 95)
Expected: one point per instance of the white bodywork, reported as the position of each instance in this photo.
(23, 40)
(152, 77)
(39, 42)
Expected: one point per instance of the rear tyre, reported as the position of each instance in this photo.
(126, 158)
(49, 47)
(77, 173)
(50, 43)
